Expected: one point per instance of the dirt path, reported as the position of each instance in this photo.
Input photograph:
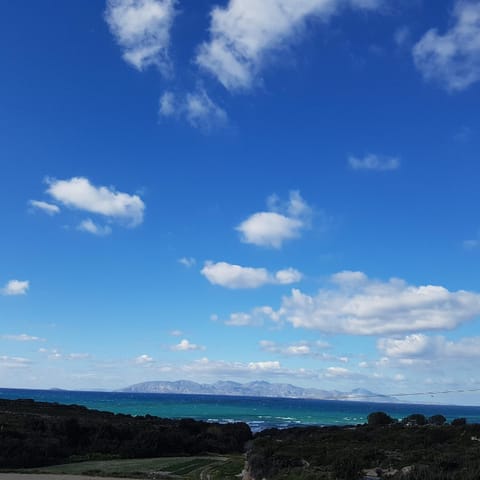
(49, 476)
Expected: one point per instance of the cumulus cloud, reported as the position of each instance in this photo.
(186, 345)
(90, 226)
(78, 193)
(357, 305)
(423, 346)
(244, 34)
(380, 163)
(196, 107)
(282, 222)
(142, 29)
(452, 59)
(372, 307)
(235, 276)
(48, 208)
(15, 287)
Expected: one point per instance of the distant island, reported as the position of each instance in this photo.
(256, 389)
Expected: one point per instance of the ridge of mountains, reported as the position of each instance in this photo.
(256, 389)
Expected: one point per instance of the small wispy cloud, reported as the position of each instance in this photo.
(471, 244)
(185, 345)
(48, 208)
(196, 107)
(402, 36)
(89, 226)
(23, 337)
(144, 360)
(14, 362)
(379, 163)
(187, 261)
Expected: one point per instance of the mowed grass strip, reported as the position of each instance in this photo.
(186, 467)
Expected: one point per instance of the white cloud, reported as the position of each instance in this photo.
(45, 207)
(196, 107)
(296, 349)
(256, 318)
(357, 305)
(78, 356)
(168, 107)
(270, 365)
(372, 307)
(23, 337)
(187, 261)
(235, 276)
(90, 226)
(14, 362)
(281, 223)
(288, 276)
(245, 33)
(452, 59)
(423, 346)
(380, 163)
(205, 367)
(240, 320)
(338, 372)
(202, 112)
(186, 345)
(144, 360)
(79, 193)
(176, 333)
(57, 355)
(15, 287)
(142, 29)
(302, 349)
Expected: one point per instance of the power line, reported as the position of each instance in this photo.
(403, 394)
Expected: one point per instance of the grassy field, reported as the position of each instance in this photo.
(185, 468)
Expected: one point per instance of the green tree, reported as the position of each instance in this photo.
(379, 418)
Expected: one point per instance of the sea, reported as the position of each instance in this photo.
(258, 412)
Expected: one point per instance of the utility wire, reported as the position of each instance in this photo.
(410, 394)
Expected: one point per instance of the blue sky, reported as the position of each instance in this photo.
(206, 190)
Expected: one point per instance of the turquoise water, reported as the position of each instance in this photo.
(259, 413)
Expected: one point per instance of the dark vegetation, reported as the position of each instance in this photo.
(417, 448)
(34, 434)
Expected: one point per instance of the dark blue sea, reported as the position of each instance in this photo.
(259, 413)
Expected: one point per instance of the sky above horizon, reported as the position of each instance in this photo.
(284, 190)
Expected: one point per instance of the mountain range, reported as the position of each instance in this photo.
(256, 389)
